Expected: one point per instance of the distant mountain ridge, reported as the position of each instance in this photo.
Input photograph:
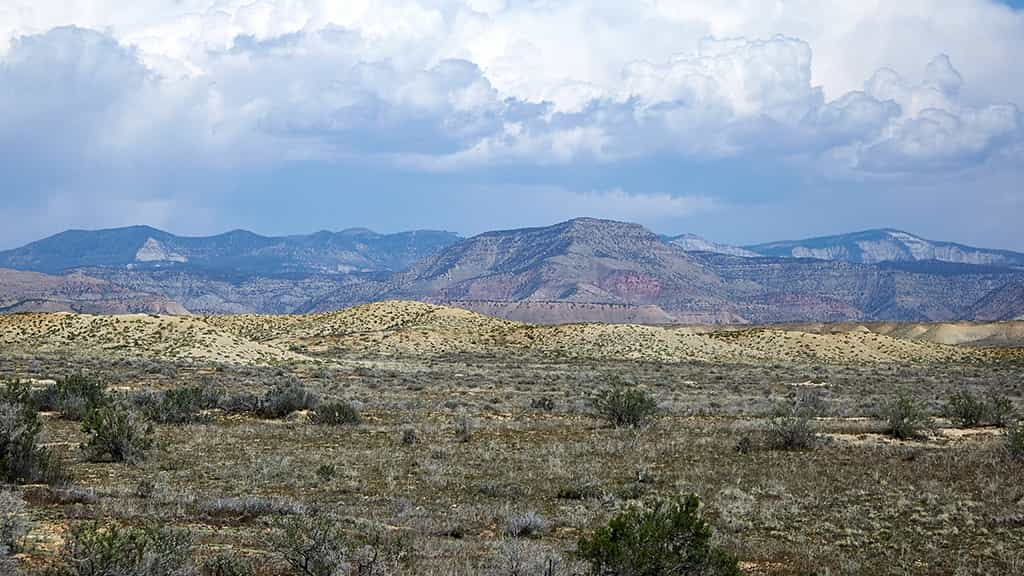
(240, 251)
(580, 270)
(885, 245)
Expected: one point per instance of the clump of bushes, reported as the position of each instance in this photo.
(337, 414)
(791, 427)
(228, 565)
(525, 525)
(96, 548)
(581, 487)
(623, 406)
(179, 405)
(410, 436)
(656, 538)
(13, 525)
(1013, 442)
(283, 399)
(906, 419)
(117, 433)
(464, 428)
(543, 404)
(22, 457)
(966, 410)
(317, 545)
(75, 397)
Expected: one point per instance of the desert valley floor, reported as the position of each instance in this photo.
(471, 445)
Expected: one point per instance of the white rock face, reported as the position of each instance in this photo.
(694, 243)
(154, 251)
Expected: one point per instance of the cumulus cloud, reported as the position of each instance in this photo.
(101, 92)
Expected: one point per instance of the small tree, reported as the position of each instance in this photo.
(623, 406)
(117, 433)
(662, 538)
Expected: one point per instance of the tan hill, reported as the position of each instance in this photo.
(36, 292)
(135, 335)
(417, 330)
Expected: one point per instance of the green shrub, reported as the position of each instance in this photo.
(1013, 442)
(905, 419)
(13, 524)
(465, 426)
(178, 406)
(543, 404)
(790, 427)
(661, 538)
(240, 403)
(623, 406)
(16, 392)
(337, 414)
(965, 409)
(524, 525)
(76, 396)
(98, 549)
(117, 433)
(410, 437)
(318, 545)
(999, 409)
(22, 458)
(227, 565)
(283, 399)
(315, 546)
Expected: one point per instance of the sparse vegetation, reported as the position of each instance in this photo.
(237, 478)
(623, 406)
(661, 537)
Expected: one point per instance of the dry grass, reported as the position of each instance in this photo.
(858, 503)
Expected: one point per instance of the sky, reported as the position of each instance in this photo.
(742, 121)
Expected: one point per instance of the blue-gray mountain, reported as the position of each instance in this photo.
(874, 246)
(237, 253)
(581, 270)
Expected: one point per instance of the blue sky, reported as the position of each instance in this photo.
(743, 122)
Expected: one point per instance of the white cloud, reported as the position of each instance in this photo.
(196, 86)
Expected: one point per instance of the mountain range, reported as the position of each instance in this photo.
(580, 270)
